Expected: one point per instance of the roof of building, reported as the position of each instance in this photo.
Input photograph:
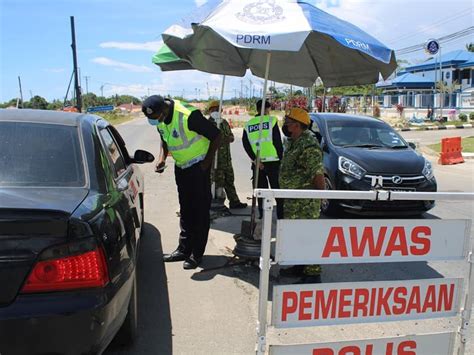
(455, 58)
(407, 80)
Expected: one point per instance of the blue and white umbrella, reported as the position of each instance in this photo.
(231, 36)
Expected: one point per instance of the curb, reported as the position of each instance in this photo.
(434, 128)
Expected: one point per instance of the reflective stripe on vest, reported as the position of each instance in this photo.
(267, 149)
(186, 146)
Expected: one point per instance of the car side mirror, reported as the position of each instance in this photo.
(142, 156)
(412, 145)
(324, 146)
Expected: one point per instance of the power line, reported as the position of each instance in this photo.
(445, 39)
(435, 24)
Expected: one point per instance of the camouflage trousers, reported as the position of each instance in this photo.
(224, 177)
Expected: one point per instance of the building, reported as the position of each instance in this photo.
(414, 87)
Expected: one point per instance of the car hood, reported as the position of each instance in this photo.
(385, 161)
(37, 198)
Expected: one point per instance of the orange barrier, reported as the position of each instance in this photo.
(236, 112)
(451, 151)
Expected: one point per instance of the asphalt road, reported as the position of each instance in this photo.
(193, 312)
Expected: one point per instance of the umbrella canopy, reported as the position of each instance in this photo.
(229, 37)
(168, 61)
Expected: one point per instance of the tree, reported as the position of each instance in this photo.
(10, 103)
(470, 47)
(38, 102)
(55, 105)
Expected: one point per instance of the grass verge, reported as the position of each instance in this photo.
(466, 143)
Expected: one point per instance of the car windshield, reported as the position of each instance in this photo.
(364, 134)
(43, 155)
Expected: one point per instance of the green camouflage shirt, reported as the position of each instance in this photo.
(302, 160)
(223, 156)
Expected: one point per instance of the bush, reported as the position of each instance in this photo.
(463, 117)
(471, 116)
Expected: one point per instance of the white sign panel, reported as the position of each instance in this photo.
(362, 302)
(439, 344)
(301, 242)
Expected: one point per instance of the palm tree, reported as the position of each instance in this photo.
(470, 47)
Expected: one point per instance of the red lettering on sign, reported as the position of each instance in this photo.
(287, 308)
(343, 302)
(350, 350)
(445, 301)
(389, 349)
(321, 307)
(323, 351)
(430, 299)
(414, 302)
(402, 348)
(375, 248)
(336, 234)
(417, 239)
(361, 299)
(401, 301)
(397, 242)
(383, 301)
(304, 305)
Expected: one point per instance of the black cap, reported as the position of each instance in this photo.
(259, 105)
(153, 104)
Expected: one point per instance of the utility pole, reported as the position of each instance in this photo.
(87, 83)
(74, 58)
(21, 94)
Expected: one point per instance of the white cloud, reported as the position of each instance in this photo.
(54, 70)
(151, 46)
(121, 65)
(200, 2)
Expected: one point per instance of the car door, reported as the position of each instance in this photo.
(122, 202)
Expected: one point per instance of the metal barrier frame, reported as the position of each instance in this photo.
(265, 264)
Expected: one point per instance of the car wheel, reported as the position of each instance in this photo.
(128, 332)
(328, 207)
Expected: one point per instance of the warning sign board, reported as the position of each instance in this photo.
(301, 242)
(361, 302)
(439, 344)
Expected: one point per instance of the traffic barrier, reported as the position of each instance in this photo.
(236, 112)
(365, 241)
(451, 151)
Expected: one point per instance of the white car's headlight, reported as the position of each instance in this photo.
(348, 167)
(428, 170)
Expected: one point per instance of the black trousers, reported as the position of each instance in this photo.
(269, 175)
(194, 192)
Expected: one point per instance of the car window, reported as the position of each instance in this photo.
(113, 150)
(363, 133)
(40, 155)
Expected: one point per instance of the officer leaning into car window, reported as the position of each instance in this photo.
(301, 169)
(271, 151)
(192, 141)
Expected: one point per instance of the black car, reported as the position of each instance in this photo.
(71, 212)
(358, 148)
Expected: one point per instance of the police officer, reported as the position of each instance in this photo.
(301, 168)
(271, 151)
(224, 174)
(192, 141)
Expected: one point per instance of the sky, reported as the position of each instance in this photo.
(116, 40)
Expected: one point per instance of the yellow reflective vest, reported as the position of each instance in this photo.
(267, 149)
(186, 147)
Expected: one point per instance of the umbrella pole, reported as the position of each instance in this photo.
(219, 120)
(257, 158)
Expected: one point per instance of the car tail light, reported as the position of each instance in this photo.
(86, 270)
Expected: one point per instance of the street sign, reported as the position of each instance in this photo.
(439, 344)
(305, 305)
(432, 46)
(100, 108)
(302, 242)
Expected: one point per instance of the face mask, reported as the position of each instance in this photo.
(153, 122)
(286, 131)
(215, 115)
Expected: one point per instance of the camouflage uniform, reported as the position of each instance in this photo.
(302, 160)
(224, 174)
